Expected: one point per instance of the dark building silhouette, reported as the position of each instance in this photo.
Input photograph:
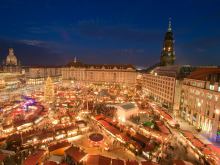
(168, 55)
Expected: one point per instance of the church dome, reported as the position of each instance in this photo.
(11, 58)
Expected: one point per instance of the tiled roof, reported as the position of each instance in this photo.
(100, 66)
(132, 162)
(75, 153)
(117, 162)
(202, 73)
(98, 160)
(58, 146)
(34, 158)
(148, 163)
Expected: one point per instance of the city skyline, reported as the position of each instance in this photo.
(52, 33)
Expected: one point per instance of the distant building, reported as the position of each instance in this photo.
(38, 74)
(126, 110)
(11, 64)
(168, 54)
(200, 100)
(103, 73)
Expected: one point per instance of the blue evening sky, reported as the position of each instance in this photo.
(109, 31)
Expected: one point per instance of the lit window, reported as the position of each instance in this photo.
(211, 87)
(219, 88)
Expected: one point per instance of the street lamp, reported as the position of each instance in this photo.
(217, 111)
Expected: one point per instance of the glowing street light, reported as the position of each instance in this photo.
(217, 111)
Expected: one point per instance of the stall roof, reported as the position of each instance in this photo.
(58, 146)
(132, 162)
(75, 153)
(149, 163)
(117, 162)
(50, 163)
(34, 158)
(98, 160)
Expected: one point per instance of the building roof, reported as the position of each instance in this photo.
(50, 163)
(2, 157)
(78, 64)
(204, 73)
(58, 146)
(131, 162)
(117, 162)
(75, 153)
(148, 163)
(98, 160)
(34, 158)
(176, 71)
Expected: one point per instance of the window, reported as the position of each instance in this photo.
(213, 116)
(208, 113)
(219, 88)
(211, 87)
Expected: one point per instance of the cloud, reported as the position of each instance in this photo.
(30, 52)
(32, 42)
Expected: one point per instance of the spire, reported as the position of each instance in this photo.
(169, 25)
(168, 55)
(75, 59)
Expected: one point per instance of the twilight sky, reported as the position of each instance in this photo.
(109, 31)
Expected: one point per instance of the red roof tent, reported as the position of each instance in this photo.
(2, 157)
(75, 153)
(188, 134)
(165, 115)
(117, 162)
(215, 149)
(110, 128)
(148, 163)
(100, 117)
(50, 163)
(98, 160)
(132, 162)
(197, 143)
(141, 138)
(124, 137)
(35, 158)
(162, 127)
(58, 146)
(181, 162)
(201, 73)
(45, 135)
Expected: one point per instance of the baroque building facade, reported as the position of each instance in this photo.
(200, 101)
(11, 63)
(103, 73)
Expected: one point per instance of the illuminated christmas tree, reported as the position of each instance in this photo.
(49, 90)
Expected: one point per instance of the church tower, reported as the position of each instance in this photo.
(168, 55)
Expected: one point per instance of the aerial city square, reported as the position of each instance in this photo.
(109, 83)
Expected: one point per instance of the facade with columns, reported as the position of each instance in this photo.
(200, 100)
(88, 73)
